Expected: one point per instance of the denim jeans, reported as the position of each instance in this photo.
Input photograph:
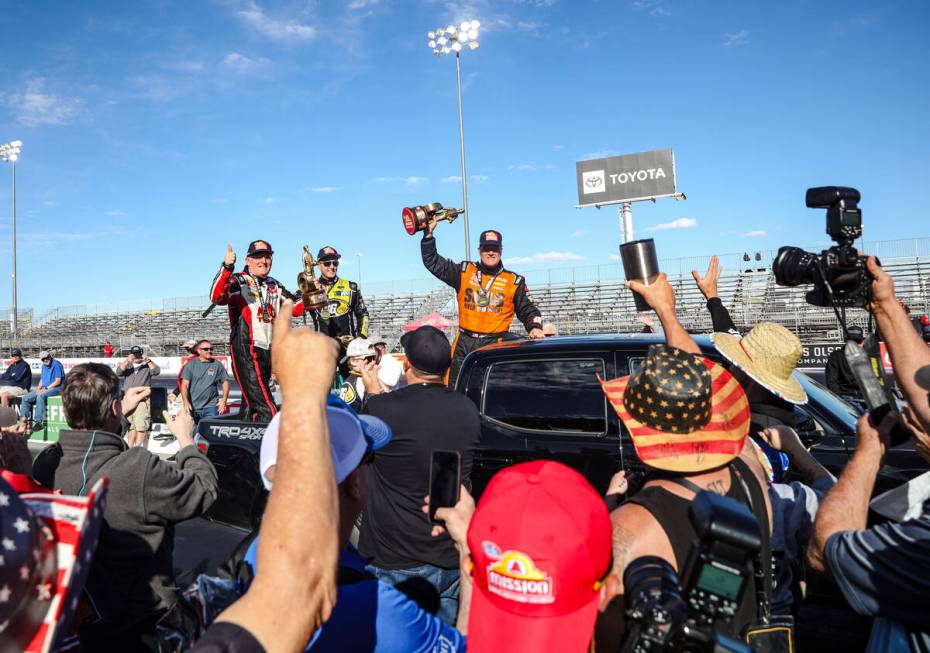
(30, 399)
(445, 582)
(202, 413)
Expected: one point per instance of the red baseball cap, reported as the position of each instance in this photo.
(540, 542)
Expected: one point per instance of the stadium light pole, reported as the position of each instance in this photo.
(10, 152)
(454, 39)
(358, 258)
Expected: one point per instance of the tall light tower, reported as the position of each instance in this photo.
(453, 39)
(358, 258)
(10, 152)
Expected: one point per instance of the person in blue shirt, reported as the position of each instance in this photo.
(370, 616)
(16, 380)
(53, 374)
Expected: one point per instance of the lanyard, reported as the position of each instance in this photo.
(485, 289)
(262, 300)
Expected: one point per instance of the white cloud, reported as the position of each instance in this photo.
(758, 233)
(545, 257)
(556, 148)
(269, 200)
(550, 166)
(115, 213)
(521, 167)
(680, 223)
(49, 203)
(736, 39)
(600, 154)
(451, 179)
(220, 200)
(35, 107)
(355, 5)
(409, 181)
(275, 29)
(660, 12)
(242, 64)
(325, 189)
(480, 178)
(578, 234)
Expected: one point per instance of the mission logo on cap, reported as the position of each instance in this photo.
(490, 239)
(259, 247)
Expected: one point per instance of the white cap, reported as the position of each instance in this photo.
(359, 347)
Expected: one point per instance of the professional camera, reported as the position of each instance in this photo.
(839, 274)
(664, 614)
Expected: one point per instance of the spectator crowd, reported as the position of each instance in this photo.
(351, 556)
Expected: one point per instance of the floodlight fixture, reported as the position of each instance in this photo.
(9, 152)
(442, 41)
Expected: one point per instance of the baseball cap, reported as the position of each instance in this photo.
(44, 354)
(351, 437)
(17, 352)
(359, 347)
(540, 541)
(490, 239)
(189, 344)
(135, 350)
(259, 247)
(427, 349)
(328, 253)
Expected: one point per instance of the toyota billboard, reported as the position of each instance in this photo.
(626, 178)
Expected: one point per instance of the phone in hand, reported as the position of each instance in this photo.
(445, 480)
(158, 402)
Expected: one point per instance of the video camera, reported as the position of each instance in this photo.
(839, 273)
(664, 614)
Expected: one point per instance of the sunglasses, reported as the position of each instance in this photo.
(330, 264)
(206, 349)
(260, 256)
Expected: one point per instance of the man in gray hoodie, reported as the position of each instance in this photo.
(131, 582)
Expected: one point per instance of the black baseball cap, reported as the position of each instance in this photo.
(490, 239)
(427, 349)
(17, 352)
(259, 247)
(855, 333)
(135, 350)
(328, 253)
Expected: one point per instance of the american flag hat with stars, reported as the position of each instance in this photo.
(46, 547)
(684, 412)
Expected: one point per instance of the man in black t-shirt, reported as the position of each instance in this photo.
(423, 416)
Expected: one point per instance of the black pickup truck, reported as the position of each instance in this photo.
(541, 399)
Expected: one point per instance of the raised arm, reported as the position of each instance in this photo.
(294, 590)
(908, 351)
(719, 315)
(661, 298)
(220, 289)
(446, 270)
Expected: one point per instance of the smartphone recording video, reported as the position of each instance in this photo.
(445, 480)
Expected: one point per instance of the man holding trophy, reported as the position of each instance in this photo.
(488, 295)
(344, 316)
(253, 298)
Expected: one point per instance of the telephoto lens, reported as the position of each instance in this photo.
(656, 611)
(793, 266)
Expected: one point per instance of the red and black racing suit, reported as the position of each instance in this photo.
(253, 304)
(488, 299)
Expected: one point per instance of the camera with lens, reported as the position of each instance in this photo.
(693, 612)
(839, 274)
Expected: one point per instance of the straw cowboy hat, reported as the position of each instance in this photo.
(684, 413)
(769, 353)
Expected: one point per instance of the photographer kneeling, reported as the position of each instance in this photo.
(688, 419)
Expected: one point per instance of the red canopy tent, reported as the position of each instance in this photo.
(433, 319)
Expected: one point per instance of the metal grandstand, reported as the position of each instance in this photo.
(589, 299)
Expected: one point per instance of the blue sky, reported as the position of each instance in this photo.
(155, 132)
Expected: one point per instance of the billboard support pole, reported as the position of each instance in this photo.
(625, 213)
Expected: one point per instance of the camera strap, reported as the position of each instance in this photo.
(762, 561)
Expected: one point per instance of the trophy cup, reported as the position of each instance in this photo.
(418, 218)
(314, 295)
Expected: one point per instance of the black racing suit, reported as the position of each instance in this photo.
(345, 315)
(840, 378)
(450, 273)
(253, 304)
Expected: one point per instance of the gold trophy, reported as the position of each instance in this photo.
(418, 218)
(314, 295)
